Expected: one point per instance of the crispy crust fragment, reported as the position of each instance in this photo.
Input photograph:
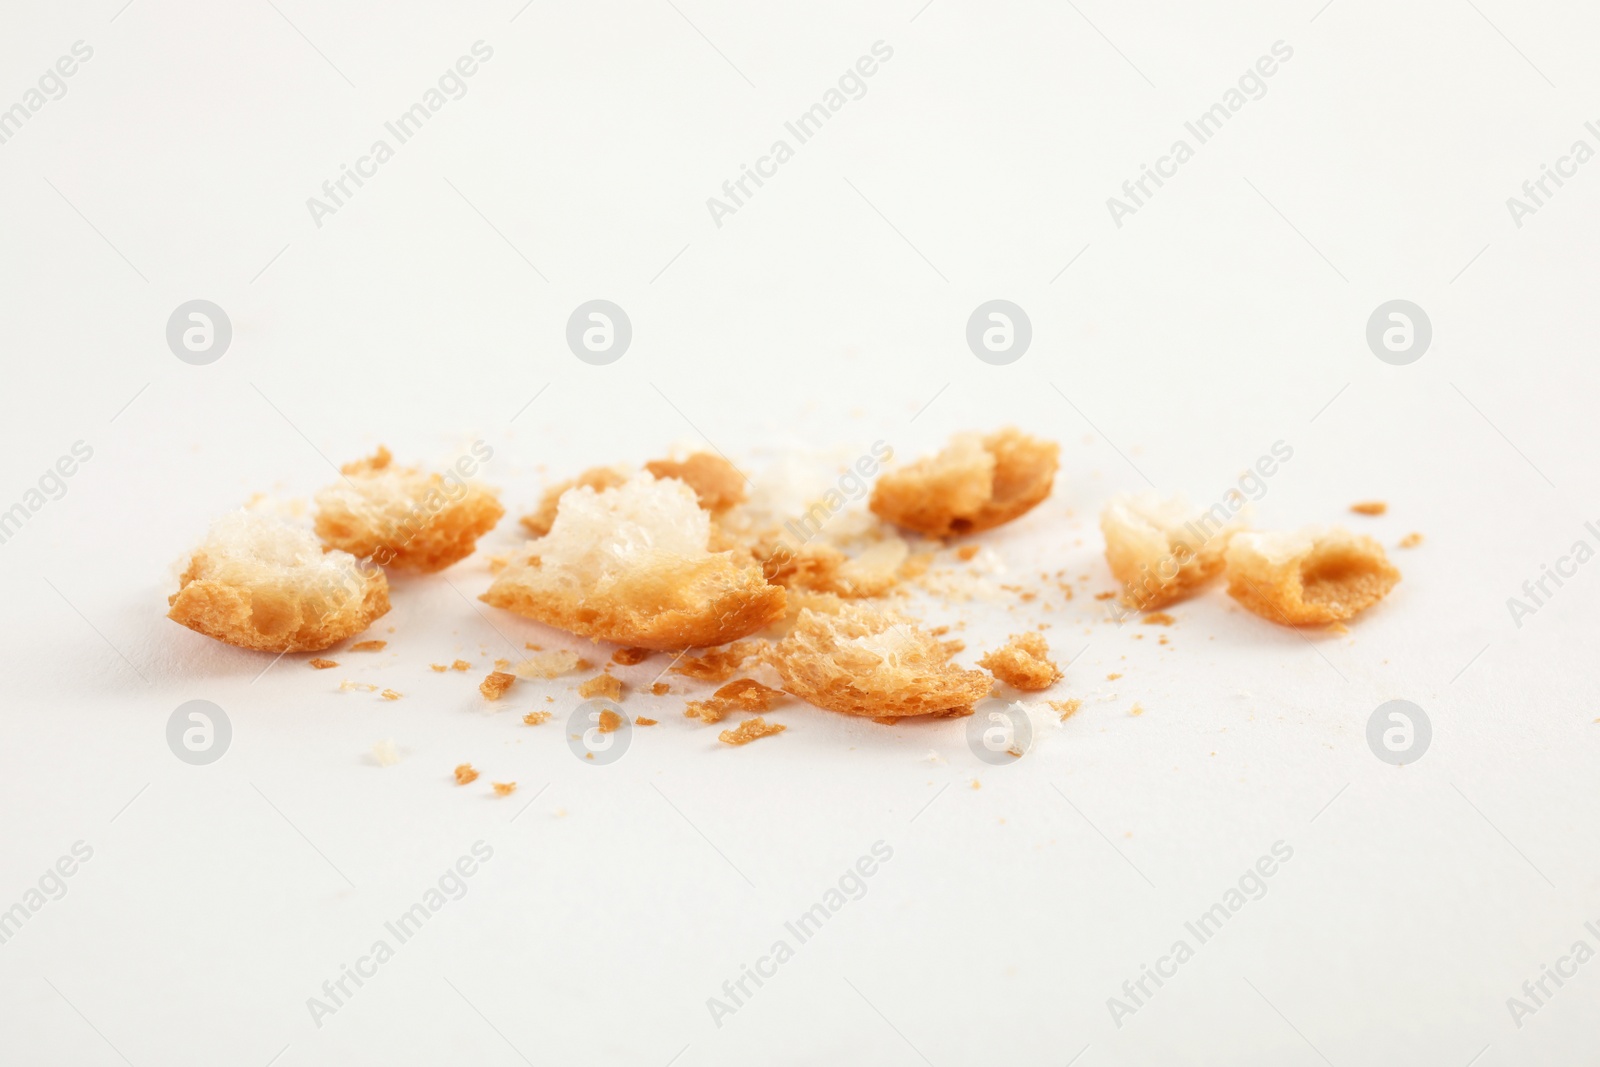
(405, 517)
(262, 584)
(746, 694)
(601, 685)
(717, 664)
(1024, 662)
(976, 483)
(717, 484)
(631, 565)
(749, 730)
(1309, 576)
(1163, 550)
(495, 685)
(874, 664)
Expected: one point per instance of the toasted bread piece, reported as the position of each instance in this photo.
(405, 517)
(631, 565)
(599, 479)
(874, 664)
(1024, 662)
(260, 583)
(1162, 549)
(1307, 576)
(717, 484)
(976, 483)
(750, 730)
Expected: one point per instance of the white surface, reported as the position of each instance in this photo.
(1206, 328)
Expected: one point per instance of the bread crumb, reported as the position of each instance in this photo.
(642, 721)
(461, 665)
(718, 664)
(1370, 507)
(1113, 677)
(966, 552)
(660, 689)
(534, 718)
(1024, 662)
(324, 664)
(1107, 595)
(465, 774)
(347, 685)
(601, 685)
(610, 722)
(390, 694)
(749, 730)
(1136, 710)
(1313, 575)
(1158, 618)
(1411, 540)
(977, 784)
(494, 686)
(502, 665)
(746, 694)
(549, 664)
(627, 657)
(1066, 707)
(368, 646)
(976, 483)
(440, 667)
(504, 789)
(386, 753)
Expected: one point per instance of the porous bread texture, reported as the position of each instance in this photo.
(717, 485)
(1161, 549)
(1024, 662)
(631, 565)
(818, 567)
(874, 664)
(976, 483)
(1308, 576)
(260, 583)
(405, 517)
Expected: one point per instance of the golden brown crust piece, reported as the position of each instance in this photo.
(1370, 507)
(717, 484)
(749, 730)
(1163, 550)
(465, 774)
(627, 657)
(368, 646)
(601, 685)
(534, 718)
(495, 685)
(975, 484)
(873, 664)
(262, 584)
(746, 694)
(1309, 576)
(504, 789)
(1023, 662)
(610, 722)
(324, 664)
(631, 565)
(717, 664)
(405, 517)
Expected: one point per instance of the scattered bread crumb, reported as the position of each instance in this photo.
(390, 694)
(1066, 707)
(1024, 662)
(1370, 507)
(440, 667)
(610, 722)
(1314, 575)
(660, 689)
(386, 753)
(261, 583)
(749, 730)
(1136, 710)
(368, 646)
(633, 565)
(461, 665)
(1158, 618)
(966, 552)
(504, 789)
(975, 483)
(717, 664)
(746, 694)
(502, 665)
(549, 664)
(627, 657)
(1411, 540)
(534, 718)
(1162, 549)
(642, 721)
(347, 685)
(324, 664)
(494, 686)
(1113, 676)
(859, 661)
(601, 685)
(404, 516)
(977, 784)
(465, 774)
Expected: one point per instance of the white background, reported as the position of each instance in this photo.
(1227, 314)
